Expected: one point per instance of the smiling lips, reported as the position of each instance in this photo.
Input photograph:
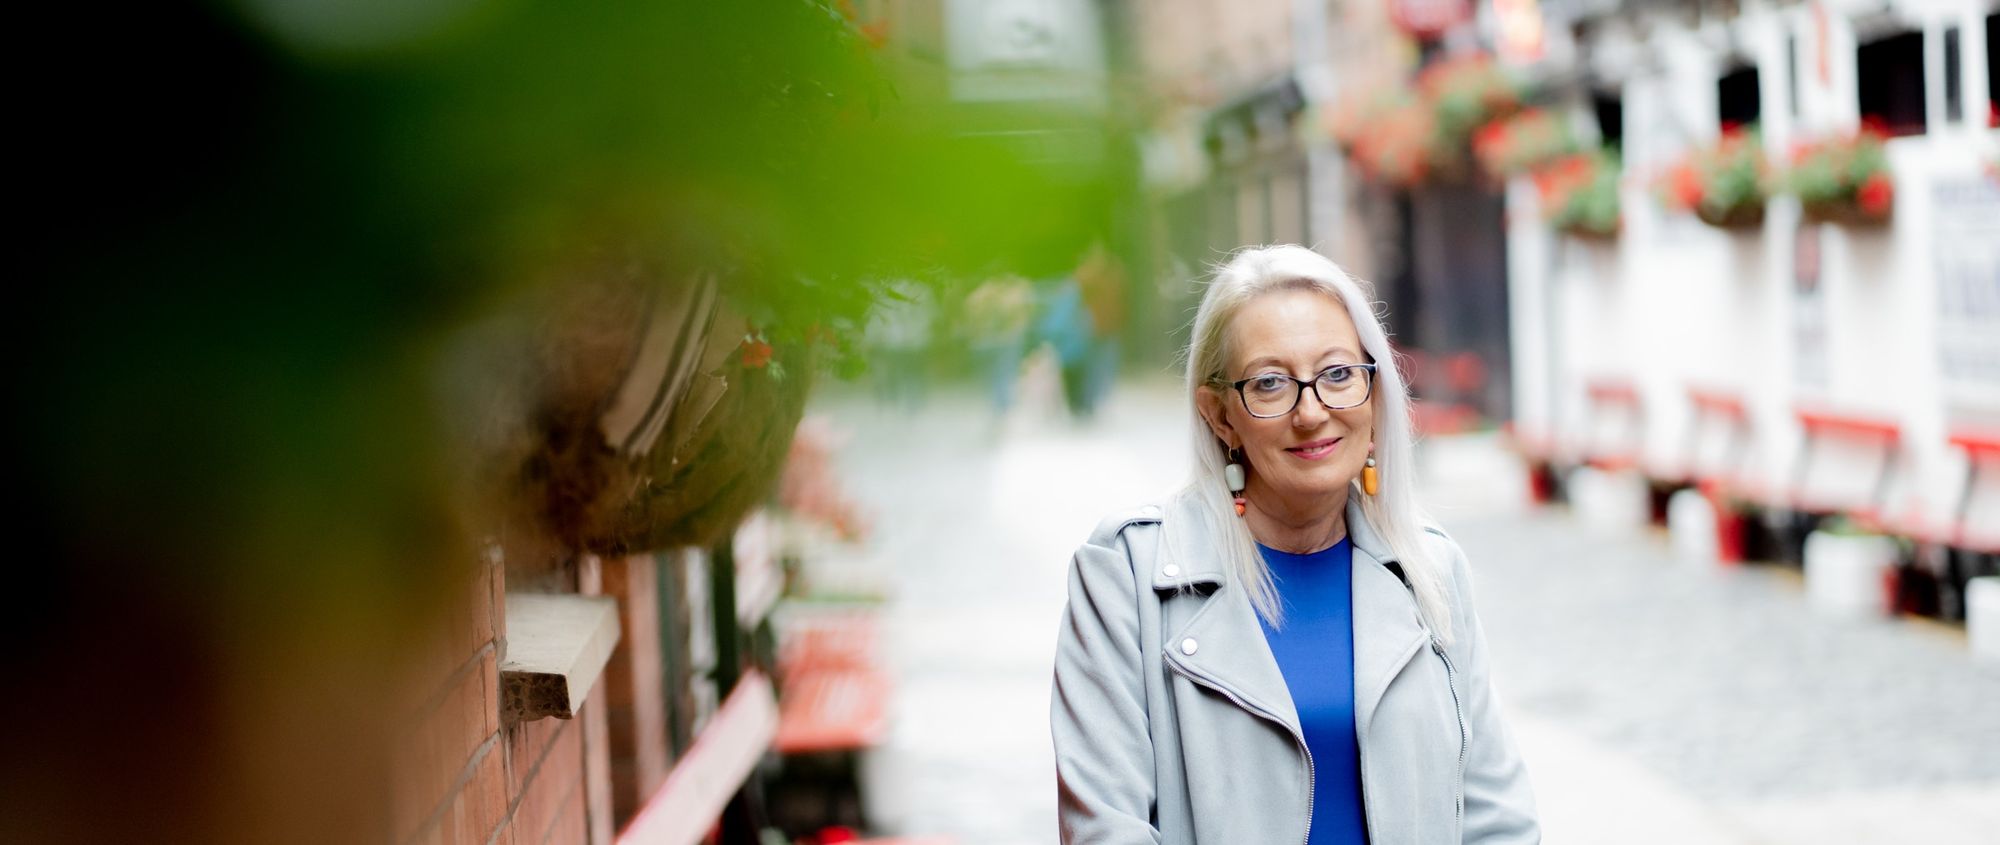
(1315, 450)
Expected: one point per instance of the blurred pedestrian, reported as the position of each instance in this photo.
(1286, 649)
(996, 320)
(1101, 281)
(1063, 322)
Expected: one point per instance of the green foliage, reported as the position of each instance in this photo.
(1581, 194)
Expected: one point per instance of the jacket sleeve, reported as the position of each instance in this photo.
(1499, 801)
(1097, 711)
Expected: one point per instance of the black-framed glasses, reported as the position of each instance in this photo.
(1275, 394)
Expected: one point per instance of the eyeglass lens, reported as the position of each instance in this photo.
(1274, 394)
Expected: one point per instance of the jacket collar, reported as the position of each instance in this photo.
(1229, 650)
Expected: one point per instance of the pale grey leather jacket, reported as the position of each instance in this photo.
(1173, 724)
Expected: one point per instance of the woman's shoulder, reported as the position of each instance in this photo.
(1451, 561)
(1116, 522)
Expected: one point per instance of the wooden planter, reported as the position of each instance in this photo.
(1591, 236)
(694, 490)
(1739, 218)
(646, 429)
(1842, 213)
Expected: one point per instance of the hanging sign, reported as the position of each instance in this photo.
(1428, 18)
(1519, 23)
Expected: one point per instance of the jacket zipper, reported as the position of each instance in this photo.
(1451, 682)
(1311, 786)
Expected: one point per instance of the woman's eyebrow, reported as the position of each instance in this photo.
(1336, 352)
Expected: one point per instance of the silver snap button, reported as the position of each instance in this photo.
(1170, 570)
(1189, 645)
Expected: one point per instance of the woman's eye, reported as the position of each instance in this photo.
(1338, 375)
(1268, 384)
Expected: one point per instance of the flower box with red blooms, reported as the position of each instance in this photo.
(1580, 194)
(1358, 112)
(1467, 92)
(1400, 149)
(1522, 143)
(1725, 184)
(1843, 179)
(1404, 137)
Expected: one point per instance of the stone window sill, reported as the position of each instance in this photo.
(557, 646)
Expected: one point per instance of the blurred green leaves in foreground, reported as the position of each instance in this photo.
(258, 228)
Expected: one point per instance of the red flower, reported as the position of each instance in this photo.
(1875, 195)
(1686, 187)
(756, 353)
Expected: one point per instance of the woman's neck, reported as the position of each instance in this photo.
(1295, 530)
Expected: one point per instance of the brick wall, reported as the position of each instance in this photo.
(634, 696)
(460, 776)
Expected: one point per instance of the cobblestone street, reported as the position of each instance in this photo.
(1655, 700)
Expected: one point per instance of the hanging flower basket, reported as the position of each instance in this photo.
(1725, 185)
(657, 420)
(1844, 179)
(1465, 93)
(1410, 136)
(1522, 143)
(1398, 150)
(1359, 112)
(710, 473)
(1580, 195)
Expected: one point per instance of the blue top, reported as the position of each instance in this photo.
(1315, 651)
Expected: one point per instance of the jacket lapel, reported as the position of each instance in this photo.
(1227, 643)
(1229, 650)
(1387, 630)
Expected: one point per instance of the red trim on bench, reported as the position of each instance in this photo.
(832, 710)
(1719, 402)
(1612, 390)
(1820, 421)
(1979, 444)
(723, 755)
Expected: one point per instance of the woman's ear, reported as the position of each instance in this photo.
(1208, 401)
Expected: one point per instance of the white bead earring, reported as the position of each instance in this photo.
(1233, 474)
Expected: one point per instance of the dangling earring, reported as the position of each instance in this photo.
(1369, 481)
(1234, 475)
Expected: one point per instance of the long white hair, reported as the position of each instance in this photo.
(1393, 511)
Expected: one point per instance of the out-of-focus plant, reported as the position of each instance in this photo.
(1579, 194)
(1407, 135)
(1358, 111)
(1519, 144)
(1844, 178)
(1725, 184)
(1398, 149)
(290, 265)
(1466, 92)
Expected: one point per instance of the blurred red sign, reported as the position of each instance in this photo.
(1428, 18)
(1519, 23)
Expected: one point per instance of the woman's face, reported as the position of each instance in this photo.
(1300, 462)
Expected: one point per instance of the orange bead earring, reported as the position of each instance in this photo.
(1370, 482)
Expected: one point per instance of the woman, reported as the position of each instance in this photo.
(1282, 651)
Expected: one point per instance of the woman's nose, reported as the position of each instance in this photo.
(1309, 413)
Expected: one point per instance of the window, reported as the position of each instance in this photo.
(1993, 66)
(1954, 109)
(1889, 80)
(1737, 100)
(1610, 111)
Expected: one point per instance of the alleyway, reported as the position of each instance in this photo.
(1655, 701)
